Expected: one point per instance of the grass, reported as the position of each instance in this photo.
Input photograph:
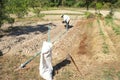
(64, 13)
(115, 27)
(100, 30)
(105, 48)
(90, 24)
(105, 45)
(108, 74)
(66, 75)
(118, 75)
(9, 68)
(61, 8)
(111, 74)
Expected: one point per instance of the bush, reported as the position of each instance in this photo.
(109, 16)
(99, 5)
(79, 4)
(89, 15)
(69, 3)
(99, 15)
(11, 20)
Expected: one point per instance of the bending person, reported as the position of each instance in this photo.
(66, 19)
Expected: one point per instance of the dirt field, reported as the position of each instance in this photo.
(92, 43)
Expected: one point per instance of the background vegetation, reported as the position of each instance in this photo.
(22, 7)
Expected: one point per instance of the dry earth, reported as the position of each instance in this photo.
(93, 45)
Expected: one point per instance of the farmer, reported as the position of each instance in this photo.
(66, 19)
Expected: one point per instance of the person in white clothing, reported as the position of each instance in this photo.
(66, 19)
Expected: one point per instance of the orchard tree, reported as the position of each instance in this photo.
(38, 5)
(18, 7)
(111, 4)
(87, 4)
(68, 3)
(80, 3)
(99, 6)
(4, 14)
(1, 12)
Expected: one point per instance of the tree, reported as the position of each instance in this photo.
(68, 3)
(18, 7)
(80, 3)
(87, 4)
(37, 5)
(4, 16)
(112, 2)
(99, 6)
(1, 12)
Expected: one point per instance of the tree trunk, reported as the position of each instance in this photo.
(111, 9)
(95, 6)
(87, 5)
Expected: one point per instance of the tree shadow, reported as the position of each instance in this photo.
(60, 65)
(19, 30)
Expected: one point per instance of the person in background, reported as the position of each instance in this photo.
(66, 19)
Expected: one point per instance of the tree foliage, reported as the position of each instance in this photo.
(22, 7)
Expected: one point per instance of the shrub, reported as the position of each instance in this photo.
(109, 16)
(89, 15)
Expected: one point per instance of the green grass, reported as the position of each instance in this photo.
(104, 45)
(108, 75)
(66, 75)
(11, 64)
(118, 75)
(115, 27)
(90, 24)
(64, 13)
(105, 48)
(111, 74)
(100, 30)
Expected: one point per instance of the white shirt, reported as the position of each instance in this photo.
(66, 18)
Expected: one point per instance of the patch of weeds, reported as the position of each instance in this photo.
(101, 32)
(118, 75)
(41, 15)
(109, 16)
(90, 24)
(110, 22)
(116, 30)
(66, 75)
(99, 15)
(98, 21)
(89, 15)
(109, 74)
(105, 48)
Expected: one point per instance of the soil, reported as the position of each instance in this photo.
(91, 51)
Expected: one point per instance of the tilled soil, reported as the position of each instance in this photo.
(93, 46)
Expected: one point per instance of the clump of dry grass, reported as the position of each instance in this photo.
(10, 64)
